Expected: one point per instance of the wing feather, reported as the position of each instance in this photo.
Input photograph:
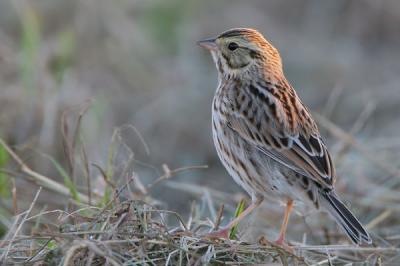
(301, 150)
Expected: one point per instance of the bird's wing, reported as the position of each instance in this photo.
(300, 149)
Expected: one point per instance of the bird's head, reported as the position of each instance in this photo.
(243, 52)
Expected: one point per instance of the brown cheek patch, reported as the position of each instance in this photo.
(255, 55)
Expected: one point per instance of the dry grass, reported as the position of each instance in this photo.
(140, 232)
(137, 233)
(132, 233)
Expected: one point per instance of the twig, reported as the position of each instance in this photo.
(40, 249)
(219, 217)
(4, 255)
(40, 179)
(104, 176)
(346, 248)
(115, 197)
(357, 126)
(138, 183)
(87, 172)
(69, 257)
(69, 145)
(169, 173)
(198, 190)
(62, 219)
(350, 140)
(14, 196)
(332, 100)
(137, 132)
(82, 113)
(210, 204)
(324, 262)
(378, 219)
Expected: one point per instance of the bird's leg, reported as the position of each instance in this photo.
(224, 232)
(281, 239)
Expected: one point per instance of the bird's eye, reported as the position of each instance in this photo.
(233, 46)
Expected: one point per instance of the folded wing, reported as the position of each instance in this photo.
(300, 149)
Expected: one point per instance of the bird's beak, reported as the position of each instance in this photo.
(209, 44)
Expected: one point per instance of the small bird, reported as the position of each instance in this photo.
(266, 137)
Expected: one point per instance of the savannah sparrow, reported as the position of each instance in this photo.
(266, 137)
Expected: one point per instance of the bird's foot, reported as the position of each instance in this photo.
(222, 233)
(282, 243)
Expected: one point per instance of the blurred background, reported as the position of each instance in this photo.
(135, 66)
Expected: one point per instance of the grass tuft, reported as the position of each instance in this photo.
(133, 232)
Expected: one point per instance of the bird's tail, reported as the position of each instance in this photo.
(343, 216)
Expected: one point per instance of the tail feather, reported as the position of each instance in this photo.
(347, 221)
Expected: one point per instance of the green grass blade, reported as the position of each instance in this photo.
(67, 179)
(4, 178)
(239, 209)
